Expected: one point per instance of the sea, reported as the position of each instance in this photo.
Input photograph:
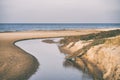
(54, 26)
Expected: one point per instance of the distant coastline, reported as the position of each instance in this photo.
(15, 27)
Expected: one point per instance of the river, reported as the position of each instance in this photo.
(53, 65)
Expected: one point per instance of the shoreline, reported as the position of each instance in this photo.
(98, 29)
(21, 64)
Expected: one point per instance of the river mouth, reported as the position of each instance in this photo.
(53, 65)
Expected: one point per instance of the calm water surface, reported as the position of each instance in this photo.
(55, 26)
(52, 63)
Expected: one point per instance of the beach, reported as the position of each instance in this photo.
(21, 64)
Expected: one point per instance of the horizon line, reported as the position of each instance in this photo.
(58, 23)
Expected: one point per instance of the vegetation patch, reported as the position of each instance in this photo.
(102, 34)
(98, 38)
(97, 42)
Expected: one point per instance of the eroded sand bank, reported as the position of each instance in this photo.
(100, 54)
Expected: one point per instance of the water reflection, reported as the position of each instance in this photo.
(73, 65)
(53, 65)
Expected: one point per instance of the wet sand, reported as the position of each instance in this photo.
(16, 64)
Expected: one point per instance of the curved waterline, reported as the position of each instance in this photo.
(53, 66)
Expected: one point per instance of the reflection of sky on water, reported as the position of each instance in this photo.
(52, 64)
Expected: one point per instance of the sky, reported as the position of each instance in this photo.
(59, 11)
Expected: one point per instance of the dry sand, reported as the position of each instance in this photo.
(16, 64)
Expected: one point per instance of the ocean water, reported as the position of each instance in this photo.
(52, 26)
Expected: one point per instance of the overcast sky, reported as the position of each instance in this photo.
(45, 11)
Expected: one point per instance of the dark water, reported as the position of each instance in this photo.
(53, 65)
(55, 26)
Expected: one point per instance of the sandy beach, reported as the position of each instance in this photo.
(21, 63)
(16, 64)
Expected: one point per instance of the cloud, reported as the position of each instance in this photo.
(60, 11)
